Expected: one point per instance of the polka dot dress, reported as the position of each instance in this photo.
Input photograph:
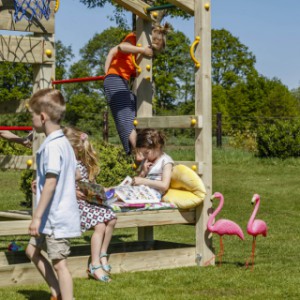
(91, 214)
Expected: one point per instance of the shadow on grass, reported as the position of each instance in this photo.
(238, 264)
(35, 295)
(119, 238)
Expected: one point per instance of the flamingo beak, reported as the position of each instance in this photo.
(212, 198)
(253, 200)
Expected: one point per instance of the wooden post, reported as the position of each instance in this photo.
(143, 90)
(143, 82)
(219, 130)
(203, 142)
(42, 74)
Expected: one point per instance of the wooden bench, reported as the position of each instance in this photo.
(141, 255)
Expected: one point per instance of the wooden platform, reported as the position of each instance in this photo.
(15, 267)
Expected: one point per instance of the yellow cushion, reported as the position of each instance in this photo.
(186, 190)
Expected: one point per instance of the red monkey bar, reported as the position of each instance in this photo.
(83, 79)
(17, 128)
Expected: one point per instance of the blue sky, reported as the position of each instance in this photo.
(269, 28)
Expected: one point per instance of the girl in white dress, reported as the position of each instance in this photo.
(157, 166)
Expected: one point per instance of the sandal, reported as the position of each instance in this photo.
(91, 273)
(107, 268)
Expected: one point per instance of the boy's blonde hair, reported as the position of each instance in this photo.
(49, 101)
(84, 150)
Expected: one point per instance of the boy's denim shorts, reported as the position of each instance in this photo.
(56, 248)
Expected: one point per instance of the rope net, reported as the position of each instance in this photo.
(30, 9)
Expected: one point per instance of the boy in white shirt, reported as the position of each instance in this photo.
(56, 217)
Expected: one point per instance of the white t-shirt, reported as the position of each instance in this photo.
(156, 170)
(56, 156)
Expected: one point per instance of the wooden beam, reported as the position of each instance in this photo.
(203, 142)
(13, 106)
(37, 25)
(26, 273)
(136, 7)
(17, 162)
(26, 49)
(186, 5)
(125, 220)
(143, 87)
(15, 215)
(170, 122)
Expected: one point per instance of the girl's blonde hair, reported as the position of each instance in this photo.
(84, 150)
(150, 138)
(163, 30)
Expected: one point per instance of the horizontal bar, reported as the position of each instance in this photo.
(83, 79)
(188, 121)
(17, 128)
(160, 7)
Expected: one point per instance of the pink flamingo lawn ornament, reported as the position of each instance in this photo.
(222, 226)
(255, 227)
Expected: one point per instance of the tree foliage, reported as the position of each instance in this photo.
(15, 81)
(64, 55)
(232, 62)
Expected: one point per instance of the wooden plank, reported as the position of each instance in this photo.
(136, 7)
(26, 273)
(185, 5)
(125, 220)
(25, 49)
(43, 73)
(156, 217)
(37, 25)
(13, 106)
(203, 143)
(14, 227)
(170, 122)
(17, 162)
(15, 215)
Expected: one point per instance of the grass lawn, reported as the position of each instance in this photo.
(238, 175)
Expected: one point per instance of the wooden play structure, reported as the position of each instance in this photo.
(146, 253)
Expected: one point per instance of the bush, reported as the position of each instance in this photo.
(115, 165)
(245, 140)
(25, 186)
(279, 138)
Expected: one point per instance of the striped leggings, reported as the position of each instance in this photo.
(122, 103)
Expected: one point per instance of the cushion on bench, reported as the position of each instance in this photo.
(186, 190)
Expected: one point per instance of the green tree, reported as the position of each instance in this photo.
(173, 72)
(15, 81)
(232, 62)
(85, 104)
(172, 69)
(94, 53)
(64, 55)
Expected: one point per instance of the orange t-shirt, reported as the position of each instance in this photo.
(122, 64)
